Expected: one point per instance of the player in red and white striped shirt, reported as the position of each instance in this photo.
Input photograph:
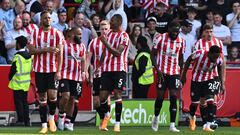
(27, 26)
(95, 50)
(114, 68)
(168, 50)
(114, 61)
(46, 45)
(72, 73)
(205, 43)
(203, 83)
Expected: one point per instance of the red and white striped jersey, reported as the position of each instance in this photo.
(168, 53)
(46, 62)
(203, 44)
(73, 54)
(30, 28)
(112, 63)
(148, 5)
(203, 68)
(96, 47)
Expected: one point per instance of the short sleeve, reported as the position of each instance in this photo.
(183, 46)
(83, 50)
(60, 37)
(229, 17)
(196, 54)
(156, 41)
(228, 32)
(221, 46)
(32, 37)
(196, 46)
(124, 39)
(90, 47)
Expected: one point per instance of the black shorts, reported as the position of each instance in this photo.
(172, 82)
(45, 81)
(113, 80)
(217, 85)
(74, 87)
(96, 86)
(204, 89)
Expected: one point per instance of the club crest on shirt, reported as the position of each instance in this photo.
(45, 44)
(116, 39)
(124, 39)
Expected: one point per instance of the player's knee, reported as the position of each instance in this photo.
(118, 101)
(43, 102)
(202, 101)
(76, 102)
(203, 105)
(159, 100)
(65, 97)
(53, 99)
(103, 99)
(96, 104)
(195, 104)
(210, 102)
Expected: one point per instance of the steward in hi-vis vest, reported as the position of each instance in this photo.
(147, 77)
(19, 80)
(142, 74)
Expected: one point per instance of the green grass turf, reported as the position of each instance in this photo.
(124, 131)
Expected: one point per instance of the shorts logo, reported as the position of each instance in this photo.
(56, 84)
(120, 82)
(79, 88)
(192, 94)
(51, 37)
(159, 85)
(62, 85)
(178, 83)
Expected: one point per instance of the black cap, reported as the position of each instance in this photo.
(62, 10)
(192, 10)
(22, 41)
(186, 23)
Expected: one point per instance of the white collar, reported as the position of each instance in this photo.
(22, 50)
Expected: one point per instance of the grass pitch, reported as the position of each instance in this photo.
(91, 130)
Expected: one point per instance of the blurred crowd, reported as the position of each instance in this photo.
(146, 18)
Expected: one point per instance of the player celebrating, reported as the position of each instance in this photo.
(169, 49)
(46, 45)
(72, 73)
(205, 43)
(114, 69)
(95, 51)
(203, 83)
